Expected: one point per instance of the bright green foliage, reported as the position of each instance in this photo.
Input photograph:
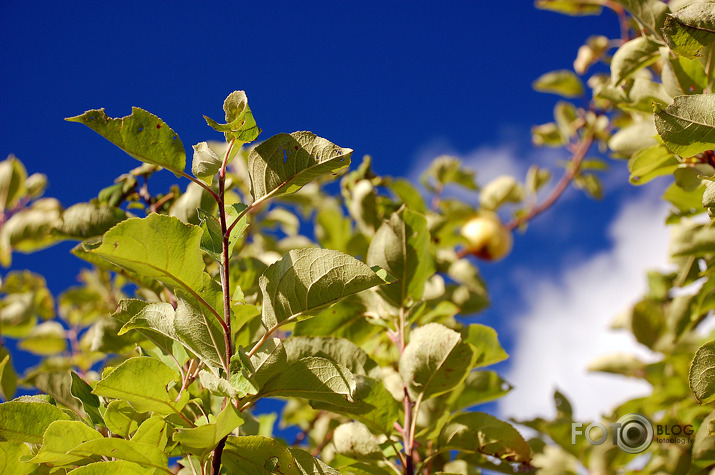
(256, 282)
(202, 439)
(142, 382)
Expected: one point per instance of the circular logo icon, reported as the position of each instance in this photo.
(634, 433)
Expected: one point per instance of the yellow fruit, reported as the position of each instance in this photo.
(486, 236)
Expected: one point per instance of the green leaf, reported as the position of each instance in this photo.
(478, 388)
(164, 248)
(374, 405)
(60, 438)
(306, 280)
(137, 452)
(8, 377)
(633, 138)
(503, 189)
(90, 403)
(22, 421)
(240, 123)
(687, 126)
(11, 456)
(633, 56)
(85, 220)
(651, 162)
(12, 182)
(408, 194)
(47, 338)
(401, 246)
(483, 433)
(143, 382)
(152, 431)
(187, 205)
(257, 455)
(30, 229)
(649, 13)
(269, 360)
(702, 373)
(142, 135)
(223, 388)
(115, 467)
(188, 324)
(446, 170)
(122, 419)
(339, 350)
(201, 440)
(682, 75)
(159, 247)
(309, 465)
(355, 440)
(286, 162)
(435, 361)
(564, 83)
(487, 349)
(690, 30)
(205, 163)
(313, 378)
(571, 7)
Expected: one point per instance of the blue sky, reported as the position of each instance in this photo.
(400, 81)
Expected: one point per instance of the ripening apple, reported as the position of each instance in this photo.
(486, 236)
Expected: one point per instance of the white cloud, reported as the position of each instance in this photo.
(567, 322)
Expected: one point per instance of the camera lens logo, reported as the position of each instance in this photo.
(634, 433)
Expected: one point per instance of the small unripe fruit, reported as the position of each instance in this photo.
(486, 236)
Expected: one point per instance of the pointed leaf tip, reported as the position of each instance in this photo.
(141, 134)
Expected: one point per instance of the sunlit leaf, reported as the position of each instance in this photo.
(257, 455)
(240, 123)
(702, 373)
(355, 440)
(313, 378)
(202, 439)
(564, 83)
(483, 433)
(22, 421)
(142, 382)
(306, 280)
(435, 361)
(687, 126)
(401, 246)
(649, 13)
(85, 220)
(691, 29)
(142, 135)
(60, 438)
(286, 162)
(137, 452)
